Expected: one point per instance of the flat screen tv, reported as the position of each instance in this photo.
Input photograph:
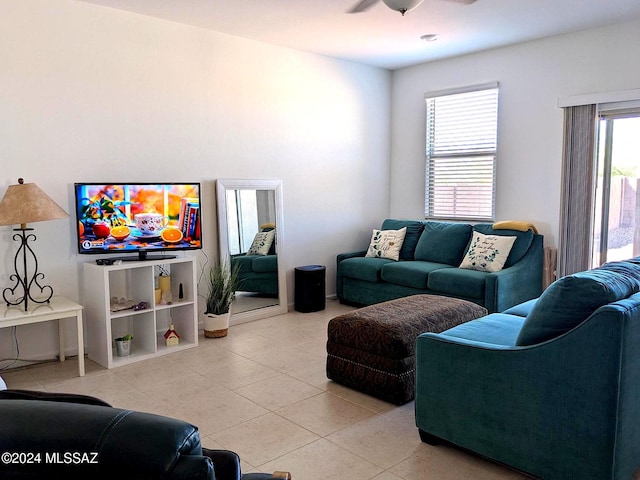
(137, 218)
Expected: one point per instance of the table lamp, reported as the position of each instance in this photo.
(26, 203)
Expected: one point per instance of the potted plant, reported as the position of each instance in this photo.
(123, 345)
(222, 284)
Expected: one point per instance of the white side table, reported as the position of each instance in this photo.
(57, 309)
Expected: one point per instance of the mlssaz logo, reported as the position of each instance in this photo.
(71, 458)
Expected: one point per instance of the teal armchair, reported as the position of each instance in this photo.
(550, 387)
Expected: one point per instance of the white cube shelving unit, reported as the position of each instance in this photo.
(136, 281)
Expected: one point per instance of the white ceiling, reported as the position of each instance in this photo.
(380, 36)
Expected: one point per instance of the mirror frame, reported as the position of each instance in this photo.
(222, 186)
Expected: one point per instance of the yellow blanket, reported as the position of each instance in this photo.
(515, 225)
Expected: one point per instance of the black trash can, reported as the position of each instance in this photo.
(310, 288)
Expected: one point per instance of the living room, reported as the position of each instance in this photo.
(93, 94)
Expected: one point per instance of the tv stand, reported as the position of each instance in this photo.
(135, 281)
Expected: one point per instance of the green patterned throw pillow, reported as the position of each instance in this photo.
(386, 243)
(487, 253)
(262, 243)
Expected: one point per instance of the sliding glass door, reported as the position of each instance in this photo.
(616, 232)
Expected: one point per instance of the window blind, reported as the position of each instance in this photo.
(461, 144)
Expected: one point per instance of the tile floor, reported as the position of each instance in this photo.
(262, 392)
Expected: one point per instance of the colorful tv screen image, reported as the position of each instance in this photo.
(138, 217)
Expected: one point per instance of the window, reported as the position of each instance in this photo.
(461, 143)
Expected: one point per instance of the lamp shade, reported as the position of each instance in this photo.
(402, 6)
(26, 203)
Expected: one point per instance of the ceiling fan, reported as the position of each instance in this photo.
(402, 6)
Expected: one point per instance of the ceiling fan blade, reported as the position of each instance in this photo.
(362, 6)
(466, 2)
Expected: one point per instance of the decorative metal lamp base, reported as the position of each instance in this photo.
(21, 291)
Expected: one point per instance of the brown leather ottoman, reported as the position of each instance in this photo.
(372, 349)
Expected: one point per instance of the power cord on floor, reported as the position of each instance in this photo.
(204, 264)
(17, 358)
(13, 361)
(202, 271)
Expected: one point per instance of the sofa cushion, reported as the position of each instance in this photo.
(265, 264)
(363, 268)
(487, 253)
(410, 274)
(572, 299)
(520, 246)
(242, 263)
(414, 230)
(458, 282)
(495, 328)
(386, 243)
(443, 242)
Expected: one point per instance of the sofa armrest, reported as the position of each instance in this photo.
(340, 258)
(225, 463)
(51, 397)
(195, 467)
(242, 263)
(227, 467)
(344, 256)
(518, 283)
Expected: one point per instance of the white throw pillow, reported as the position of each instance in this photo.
(487, 253)
(386, 243)
(262, 243)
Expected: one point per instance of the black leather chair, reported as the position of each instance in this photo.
(65, 436)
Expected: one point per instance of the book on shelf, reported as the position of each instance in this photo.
(189, 216)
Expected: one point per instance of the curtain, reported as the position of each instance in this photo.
(578, 185)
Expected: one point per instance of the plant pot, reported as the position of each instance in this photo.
(123, 348)
(216, 326)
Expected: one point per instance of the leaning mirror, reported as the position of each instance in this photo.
(251, 240)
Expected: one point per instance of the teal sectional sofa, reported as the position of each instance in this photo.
(550, 387)
(429, 259)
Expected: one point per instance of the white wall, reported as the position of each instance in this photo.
(532, 77)
(94, 94)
